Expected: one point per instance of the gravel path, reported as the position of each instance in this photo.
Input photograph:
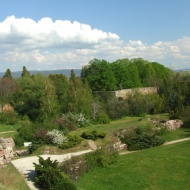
(26, 168)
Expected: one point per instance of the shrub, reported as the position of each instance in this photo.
(41, 136)
(103, 118)
(71, 121)
(9, 118)
(186, 124)
(24, 134)
(78, 166)
(49, 177)
(72, 140)
(101, 157)
(57, 137)
(142, 138)
(93, 135)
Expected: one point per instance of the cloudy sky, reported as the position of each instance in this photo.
(65, 34)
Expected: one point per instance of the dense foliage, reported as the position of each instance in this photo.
(142, 138)
(65, 104)
(49, 177)
(78, 166)
(124, 74)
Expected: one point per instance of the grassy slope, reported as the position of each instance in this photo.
(10, 179)
(165, 167)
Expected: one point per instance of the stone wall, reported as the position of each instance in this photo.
(126, 92)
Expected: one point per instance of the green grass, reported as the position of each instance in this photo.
(10, 179)
(177, 134)
(165, 167)
(126, 122)
(4, 128)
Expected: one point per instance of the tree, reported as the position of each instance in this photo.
(61, 85)
(100, 76)
(8, 74)
(79, 97)
(7, 88)
(25, 73)
(49, 107)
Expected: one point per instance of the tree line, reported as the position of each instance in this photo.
(44, 98)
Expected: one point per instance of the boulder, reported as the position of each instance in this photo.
(172, 125)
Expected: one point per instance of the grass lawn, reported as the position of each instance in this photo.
(164, 167)
(10, 179)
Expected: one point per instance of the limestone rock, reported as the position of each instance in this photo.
(172, 125)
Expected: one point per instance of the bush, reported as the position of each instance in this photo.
(49, 177)
(71, 121)
(103, 118)
(93, 135)
(25, 134)
(9, 118)
(57, 137)
(78, 166)
(186, 124)
(142, 138)
(72, 140)
(101, 157)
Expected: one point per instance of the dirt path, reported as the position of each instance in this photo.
(7, 132)
(177, 141)
(26, 168)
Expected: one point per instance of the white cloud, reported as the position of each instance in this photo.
(48, 44)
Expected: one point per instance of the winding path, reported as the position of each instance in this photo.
(26, 168)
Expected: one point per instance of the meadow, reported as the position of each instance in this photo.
(164, 167)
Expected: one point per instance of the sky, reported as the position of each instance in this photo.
(67, 34)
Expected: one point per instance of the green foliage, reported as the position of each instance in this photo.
(123, 74)
(101, 157)
(49, 177)
(78, 166)
(140, 138)
(71, 121)
(103, 118)
(9, 118)
(186, 124)
(8, 74)
(100, 76)
(25, 72)
(93, 135)
(72, 141)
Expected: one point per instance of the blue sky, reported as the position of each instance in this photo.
(47, 34)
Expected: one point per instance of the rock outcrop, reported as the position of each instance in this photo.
(172, 125)
(6, 150)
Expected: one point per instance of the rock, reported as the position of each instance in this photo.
(172, 125)
(6, 150)
(22, 152)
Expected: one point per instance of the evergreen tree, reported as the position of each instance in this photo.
(8, 74)
(25, 73)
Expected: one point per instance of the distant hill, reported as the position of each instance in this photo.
(65, 72)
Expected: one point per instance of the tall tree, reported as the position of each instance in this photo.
(25, 72)
(49, 107)
(7, 88)
(8, 74)
(61, 85)
(100, 76)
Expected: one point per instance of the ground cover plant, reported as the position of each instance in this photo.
(164, 167)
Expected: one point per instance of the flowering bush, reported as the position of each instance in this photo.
(71, 121)
(57, 137)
